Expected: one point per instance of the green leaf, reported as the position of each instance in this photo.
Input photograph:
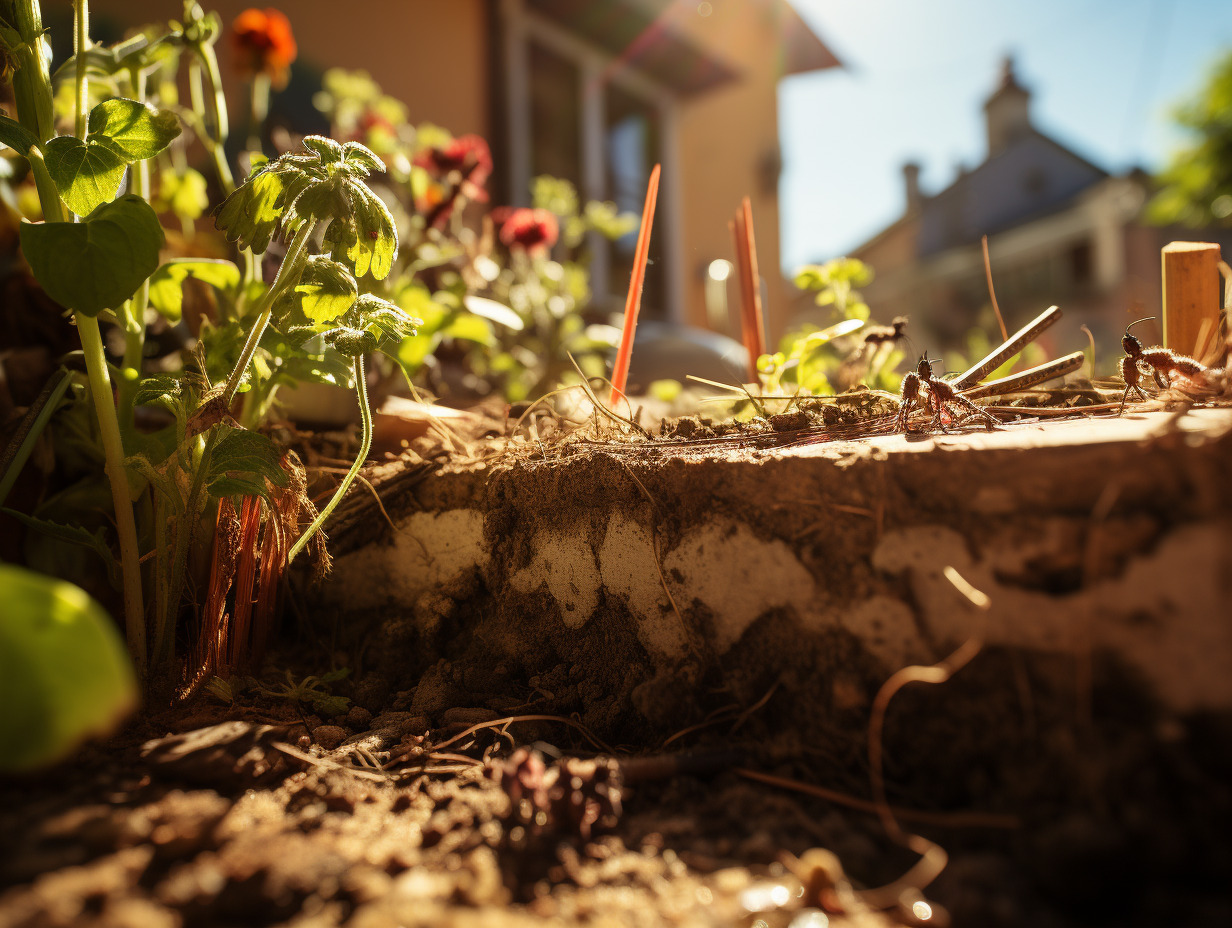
(251, 214)
(98, 263)
(15, 135)
(64, 675)
(73, 535)
(167, 284)
(376, 239)
(326, 289)
(136, 130)
(87, 174)
(471, 328)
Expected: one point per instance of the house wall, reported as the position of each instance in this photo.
(728, 148)
(432, 55)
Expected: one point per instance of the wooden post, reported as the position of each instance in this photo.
(1191, 294)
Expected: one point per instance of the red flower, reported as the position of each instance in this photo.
(534, 230)
(264, 44)
(467, 154)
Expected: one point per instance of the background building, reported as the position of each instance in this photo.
(1061, 230)
(595, 91)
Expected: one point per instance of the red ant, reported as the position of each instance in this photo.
(940, 395)
(1163, 363)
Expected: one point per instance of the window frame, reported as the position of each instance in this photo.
(521, 27)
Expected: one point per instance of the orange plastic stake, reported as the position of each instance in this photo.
(736, 226)
(752, 325)
(633, 303)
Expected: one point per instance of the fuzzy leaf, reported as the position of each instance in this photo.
(98, 263)
(376, 240)
(251, 214)
(326, 289)
(64, 675)
(136, 130)
(167, 284)
(241, 462)
(87, 174)
(73, 535)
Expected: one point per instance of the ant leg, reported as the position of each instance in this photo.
(1124, 397)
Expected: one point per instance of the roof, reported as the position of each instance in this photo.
(638, 33)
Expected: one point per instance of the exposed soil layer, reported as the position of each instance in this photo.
(1072, 781)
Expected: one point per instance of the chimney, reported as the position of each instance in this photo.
(1007, 113)
(911, 180)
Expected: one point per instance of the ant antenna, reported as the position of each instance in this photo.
(1132, 324)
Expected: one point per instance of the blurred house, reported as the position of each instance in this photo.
(595, 91)
(1061, 230)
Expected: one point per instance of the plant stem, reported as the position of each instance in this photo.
(113, 451)
(288, 275)
(31, 81)
(365, 444)
(49, 196)
(259, 110)
(81, 41)
(214, 138)
(134, 314)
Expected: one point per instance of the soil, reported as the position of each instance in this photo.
(256, 814)
(1062, 792)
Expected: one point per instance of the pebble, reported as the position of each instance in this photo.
(329, 736)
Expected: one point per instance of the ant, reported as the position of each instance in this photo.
(893, 333)
(939, 394)
(1163, 363)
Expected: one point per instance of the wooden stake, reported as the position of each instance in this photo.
(1191, 292)
(633, 302)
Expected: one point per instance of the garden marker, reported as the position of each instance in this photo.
(751, 327)
(633, 303)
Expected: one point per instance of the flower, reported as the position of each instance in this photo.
(534, 230)
(469, 155)
(264, 44)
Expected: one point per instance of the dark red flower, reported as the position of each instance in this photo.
(534, 230)
(264, 44)
(469, 155)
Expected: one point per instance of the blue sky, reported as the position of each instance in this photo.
(1104, 74)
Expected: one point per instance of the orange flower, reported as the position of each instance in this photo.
(534, 230)
(264, 44)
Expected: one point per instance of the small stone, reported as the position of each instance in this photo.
(358, 718)
(329, 736)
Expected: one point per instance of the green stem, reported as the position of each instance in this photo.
(49, 196)
(288, 276)
(259, 110)
(214, 135)
(31, 80)
(365, 444)
(134, 314)
(81, 41)
(113, 452)
(14, 457)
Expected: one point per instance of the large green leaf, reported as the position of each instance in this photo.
(98, 263)
(250, 215)
(167, 284)
(15, 135)
(87, 174)
(64, 676)
(136, 130)
(376, 239)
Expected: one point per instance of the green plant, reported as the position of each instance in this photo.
(98, 256)
(64, 676)
(1196, 186)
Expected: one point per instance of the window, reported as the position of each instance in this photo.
(576, 113)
